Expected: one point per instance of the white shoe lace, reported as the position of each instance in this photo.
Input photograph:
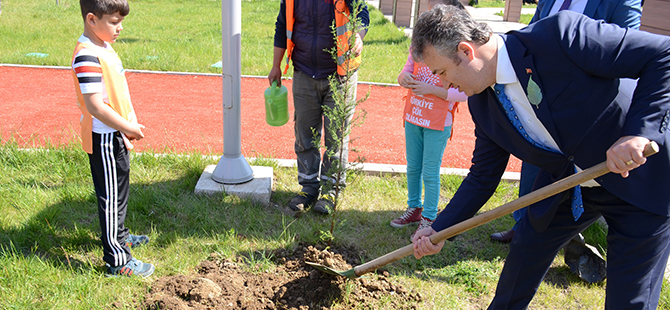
(424, 223)
(408, 213)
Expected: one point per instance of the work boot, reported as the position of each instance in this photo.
(301, 201)
(325, 204)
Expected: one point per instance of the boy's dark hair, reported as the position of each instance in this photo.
(101, 7)
(455, 3)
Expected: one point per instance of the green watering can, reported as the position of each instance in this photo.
(276, 105)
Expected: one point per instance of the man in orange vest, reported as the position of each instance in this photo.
(304, 33)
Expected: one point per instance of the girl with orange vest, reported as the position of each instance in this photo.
(428, 117)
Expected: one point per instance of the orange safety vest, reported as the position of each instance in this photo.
(117, 92)
(343, 35)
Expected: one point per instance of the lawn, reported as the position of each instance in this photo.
(50, 252)
(179, 35)
(183, 36)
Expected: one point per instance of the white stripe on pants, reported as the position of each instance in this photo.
(110, 171)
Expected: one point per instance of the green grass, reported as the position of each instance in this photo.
(490, 4)
(50, 253)
(157, 35)
(179, 35)
(525, 18)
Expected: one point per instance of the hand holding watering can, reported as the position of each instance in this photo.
(276, 105)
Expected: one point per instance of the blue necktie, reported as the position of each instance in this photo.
(577, 206)
(565, 5)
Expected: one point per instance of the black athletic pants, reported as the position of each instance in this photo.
(110, 168)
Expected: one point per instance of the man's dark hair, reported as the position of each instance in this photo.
(455, 3)
(444, 27)
(101, 7)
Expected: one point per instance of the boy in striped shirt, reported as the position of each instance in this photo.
(108, 124)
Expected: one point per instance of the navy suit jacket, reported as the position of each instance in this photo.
(577, 63)
(625, 13)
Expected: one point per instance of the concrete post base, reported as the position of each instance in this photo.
(258, 189)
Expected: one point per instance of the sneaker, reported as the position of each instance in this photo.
(411, 215)
(325, 204)
(133, 267)
(134, 241)
(301, 201)
(423, 224)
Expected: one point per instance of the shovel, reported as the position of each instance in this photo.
(550, 190)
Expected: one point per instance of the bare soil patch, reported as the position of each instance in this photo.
(227, 284)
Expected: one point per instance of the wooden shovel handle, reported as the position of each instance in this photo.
(550, 190)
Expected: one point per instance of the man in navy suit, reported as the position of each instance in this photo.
(559, 82)
(625, 13)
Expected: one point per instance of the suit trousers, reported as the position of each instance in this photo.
(528, 174)
(637, 253)
(310, 96)
(110, 168)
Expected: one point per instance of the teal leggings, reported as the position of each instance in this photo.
(424, 148)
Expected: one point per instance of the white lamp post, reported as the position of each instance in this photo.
(232, 167)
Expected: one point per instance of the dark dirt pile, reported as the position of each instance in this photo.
(225, 284)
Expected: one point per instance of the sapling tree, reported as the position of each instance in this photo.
(341, 117)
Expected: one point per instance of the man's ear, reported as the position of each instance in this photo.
(466, 49)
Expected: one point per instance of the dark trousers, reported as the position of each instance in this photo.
(310, 96)
(528, 174)
(110, 168)
(637, 252)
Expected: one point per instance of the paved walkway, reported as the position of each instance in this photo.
(496, 22)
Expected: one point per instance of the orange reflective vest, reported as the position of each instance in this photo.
(117, 92)
(343, 36)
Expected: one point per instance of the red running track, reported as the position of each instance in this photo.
(183, 113)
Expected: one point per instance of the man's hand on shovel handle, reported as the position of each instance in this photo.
(422, 244)
(626, 154)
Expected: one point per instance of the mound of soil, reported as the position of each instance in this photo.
(226, 284)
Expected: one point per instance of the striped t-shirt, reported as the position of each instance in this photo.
(89, 73)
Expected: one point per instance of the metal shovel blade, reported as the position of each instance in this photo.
(351, 274)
